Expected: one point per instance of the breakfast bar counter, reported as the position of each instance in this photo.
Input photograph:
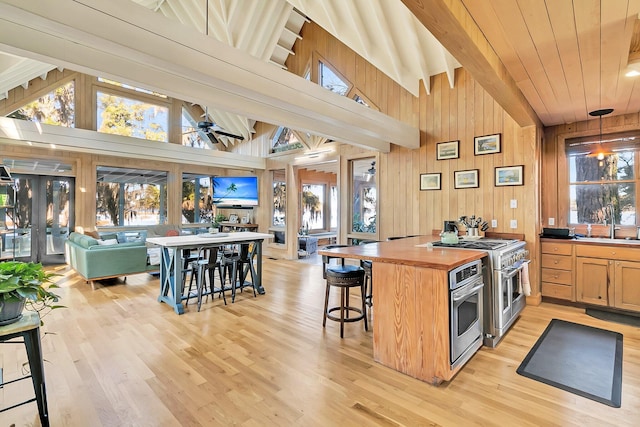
(411, 303)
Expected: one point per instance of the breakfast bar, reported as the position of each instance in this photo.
(411, 303)
(171, 273)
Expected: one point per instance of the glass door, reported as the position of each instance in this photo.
(43, 217)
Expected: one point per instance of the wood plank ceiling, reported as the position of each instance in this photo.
(566, 57)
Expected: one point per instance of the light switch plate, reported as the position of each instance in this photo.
(514, 223)
(494, 223)
(552, 221)
(514, 203)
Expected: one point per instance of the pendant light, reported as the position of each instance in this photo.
(600, 152)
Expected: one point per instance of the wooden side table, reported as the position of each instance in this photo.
(28, 327)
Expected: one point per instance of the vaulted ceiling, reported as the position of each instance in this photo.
(565, 58)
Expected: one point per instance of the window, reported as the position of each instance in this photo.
(313, 196)
(197, 199)
(364, 195)
(330, 79)
(191, 135)
(333, 205)
(130, 197)
(279, 198)
(55, 108)
(596, 182)
(119, 115)
(285, 139)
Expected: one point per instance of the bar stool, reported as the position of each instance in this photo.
(326, 259)
(205, 266)
(345, 278)
(28, 327)
(368, 281)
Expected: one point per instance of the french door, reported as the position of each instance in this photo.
(44, 215)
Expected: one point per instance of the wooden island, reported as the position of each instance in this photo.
(411, 303)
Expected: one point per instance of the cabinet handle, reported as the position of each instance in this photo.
(555, 249)
(555, 261)
(613, 252)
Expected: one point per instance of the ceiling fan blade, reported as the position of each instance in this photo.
(230, 135)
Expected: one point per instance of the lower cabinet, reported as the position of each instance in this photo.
(627, 285)
(593, 280)
(610, 283)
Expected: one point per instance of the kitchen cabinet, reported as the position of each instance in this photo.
(557, 275)
(593, 277)
(627, 285)
(608, 276)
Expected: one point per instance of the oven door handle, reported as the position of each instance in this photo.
(473, 290)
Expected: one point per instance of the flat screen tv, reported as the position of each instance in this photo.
(235, 191)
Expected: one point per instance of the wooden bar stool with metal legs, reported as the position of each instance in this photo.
(345, 278)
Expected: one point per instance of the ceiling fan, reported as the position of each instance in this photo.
(212, 129)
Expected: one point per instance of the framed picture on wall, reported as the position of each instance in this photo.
(430, 181)
(448, 150)
(466, 179)
(488, 144)
(509, 175)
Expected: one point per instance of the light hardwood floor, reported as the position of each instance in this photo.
(117, 357)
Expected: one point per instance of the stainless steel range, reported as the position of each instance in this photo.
(504, 298)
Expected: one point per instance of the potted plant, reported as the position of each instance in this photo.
(24, 283)
(220, 217)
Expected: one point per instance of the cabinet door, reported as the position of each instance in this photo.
(627, 285)
(592, 282)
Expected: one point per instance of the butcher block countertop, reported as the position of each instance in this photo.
(412, 251)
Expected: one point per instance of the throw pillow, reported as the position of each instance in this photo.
(93, 234)
(108, 242)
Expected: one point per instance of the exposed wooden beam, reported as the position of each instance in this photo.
(22, 133)
(122, 41)
(453, 26)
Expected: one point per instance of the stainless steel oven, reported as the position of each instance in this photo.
(509, 298)
(465, 299)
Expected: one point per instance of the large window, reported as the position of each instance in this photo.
(313, 205)
(55, 108)
(131, 117)
(600, 175)
(197, 199)
(364, 194)
(130, 197)
(279, 198)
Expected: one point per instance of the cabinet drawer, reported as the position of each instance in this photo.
(608, 252)
(556, 248)
(563, 277)
(560, 262)
(557, 291)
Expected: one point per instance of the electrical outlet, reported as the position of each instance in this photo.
(513, 223)
(514, 203)
(552, 221)
(494, 223)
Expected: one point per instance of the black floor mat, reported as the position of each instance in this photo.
(580, 359)
(625, 319)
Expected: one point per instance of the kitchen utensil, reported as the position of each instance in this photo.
(484, 226)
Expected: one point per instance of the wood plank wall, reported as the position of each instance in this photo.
(446, 114)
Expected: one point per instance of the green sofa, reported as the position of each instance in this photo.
(93, 260)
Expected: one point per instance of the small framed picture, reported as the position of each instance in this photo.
(510, 175)
(233, 218)
(488, 144)
(448, 150)
(466, 179)
(430, 181)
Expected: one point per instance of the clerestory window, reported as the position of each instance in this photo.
(55, 108)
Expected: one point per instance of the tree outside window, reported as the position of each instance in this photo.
(595, 183)
(365, 197)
